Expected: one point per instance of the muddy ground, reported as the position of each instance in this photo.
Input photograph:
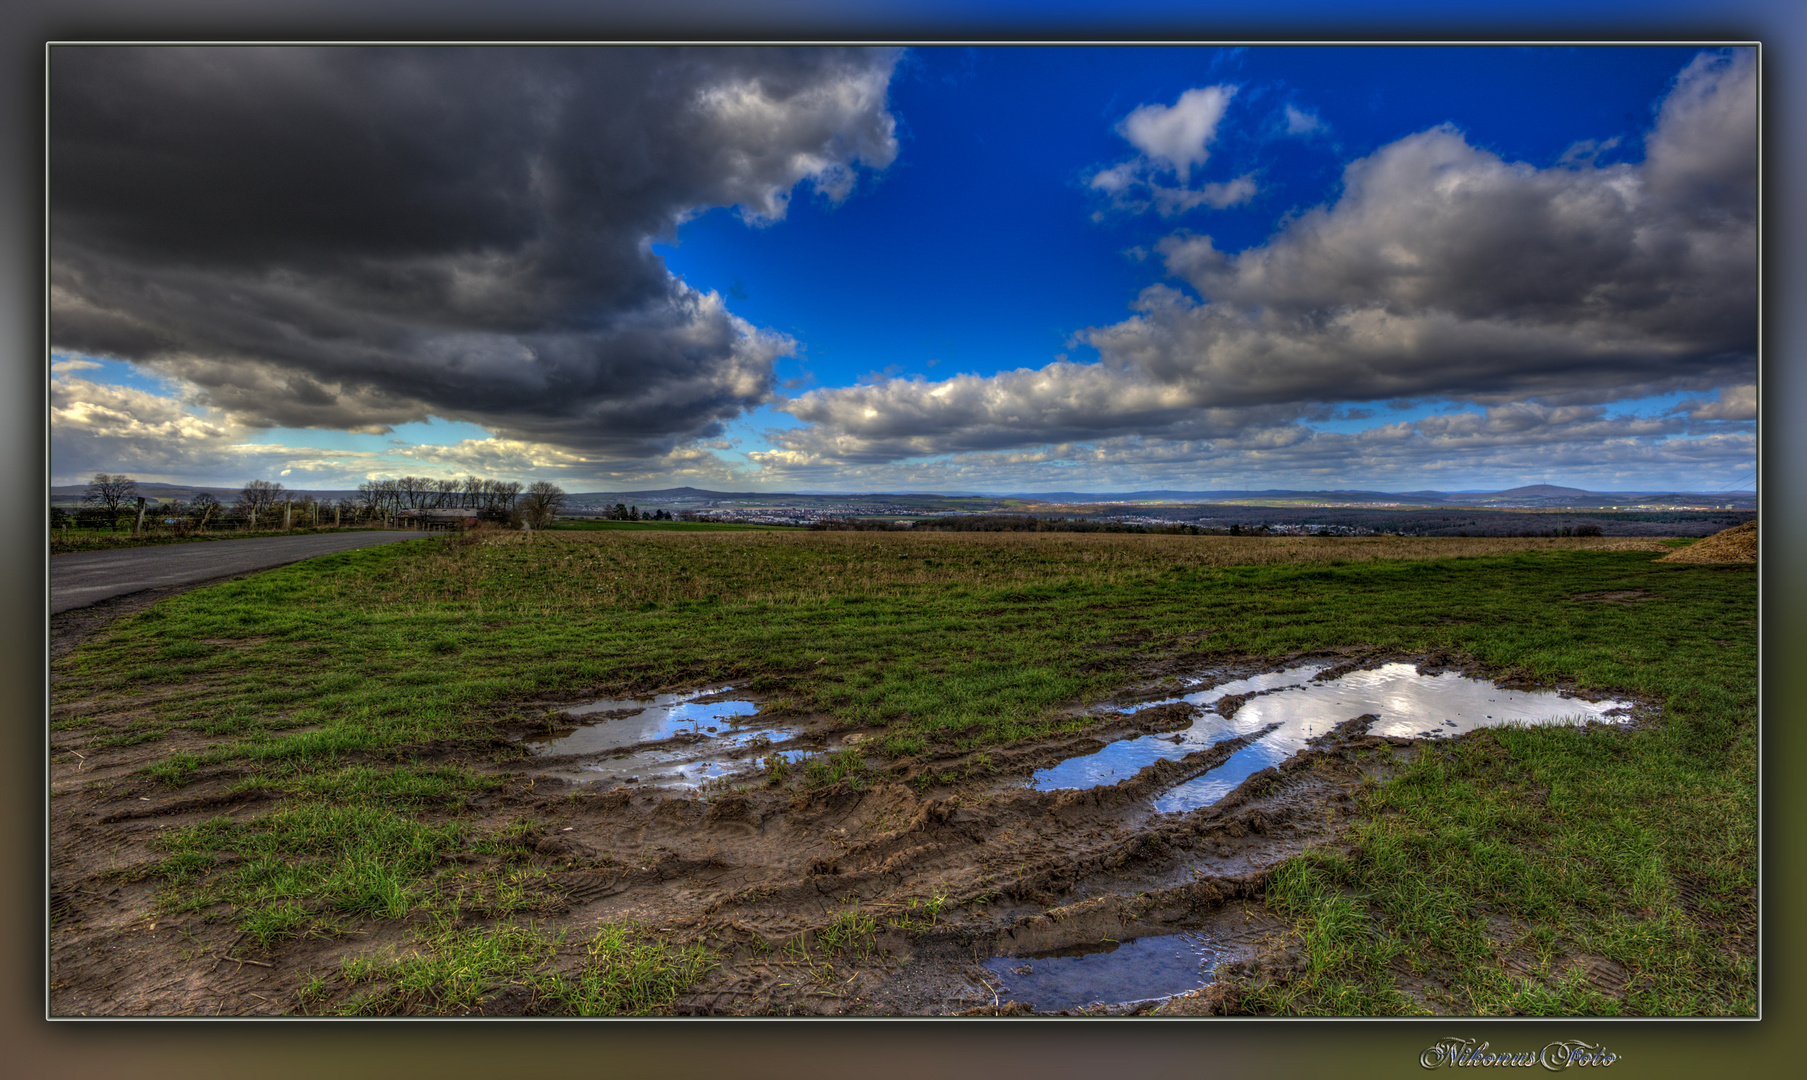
(953, 860)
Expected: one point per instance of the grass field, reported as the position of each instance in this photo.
(603, 525)
(334, 683)
(63, 541)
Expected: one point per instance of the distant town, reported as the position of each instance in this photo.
(1524, 511)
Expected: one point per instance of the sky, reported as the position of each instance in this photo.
(991, 269)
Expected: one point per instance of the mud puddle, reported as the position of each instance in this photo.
(884, 897)
(674, 740)
(1109, 973)
(1407, 704)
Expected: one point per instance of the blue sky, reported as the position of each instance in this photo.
(997, 269)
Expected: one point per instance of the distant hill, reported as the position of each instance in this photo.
(1544, 491)
(1530, 496)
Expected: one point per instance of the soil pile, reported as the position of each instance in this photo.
(1733, 545)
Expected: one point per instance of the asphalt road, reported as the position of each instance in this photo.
(81, 578)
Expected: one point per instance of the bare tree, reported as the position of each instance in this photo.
(203, 507)
(416, 491)
(258, 496)
(110, 493)
(494, 498)
(542, 503)
(380, 497)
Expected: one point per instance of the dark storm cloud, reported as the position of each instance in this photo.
(356, 237)
(1440, 272)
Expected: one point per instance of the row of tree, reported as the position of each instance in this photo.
(1032, 523)
(624, 512)
(111, 502)
(423, 493)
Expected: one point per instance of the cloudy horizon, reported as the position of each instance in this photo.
(814, 269)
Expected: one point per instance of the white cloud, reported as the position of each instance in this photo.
(97, 427)
(1303, 122)
(769, 141)
(1702, 157)
(1179, 136)
(1218, 196)
(1452, 450)
(1442, 272)
(1174, 140)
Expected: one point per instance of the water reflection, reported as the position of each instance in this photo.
(1408, 704)
(673, 740)
(1109, 973)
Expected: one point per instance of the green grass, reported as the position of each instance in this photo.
(304, 864)
(63, 541)
(341, 846)
(850, 931)
(1537, 851)
(950, 642)
(628, 974)
(1553, 847)
(449, 972)
(452, 971)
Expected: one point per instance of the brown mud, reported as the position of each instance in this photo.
(883, 895)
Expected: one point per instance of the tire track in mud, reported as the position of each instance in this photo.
(755, 874)
(940, 877)
(750, 873)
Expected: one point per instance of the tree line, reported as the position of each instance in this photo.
(1032, 523)
(111, 502)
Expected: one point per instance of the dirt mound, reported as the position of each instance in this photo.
(1733, 545)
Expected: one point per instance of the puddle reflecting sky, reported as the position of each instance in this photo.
(1408, 704)
(1142, 969)
(715, 740)
(664, 717)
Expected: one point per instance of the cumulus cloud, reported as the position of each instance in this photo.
(353, 238)
(1441, 272)
(1173, 140)
(1063, 402)
(1452, 450)
(127, 413)
(1178, 137)
(96, 427)
(684, 465)
(1735, 403)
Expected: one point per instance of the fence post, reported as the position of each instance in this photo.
(138, 526)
